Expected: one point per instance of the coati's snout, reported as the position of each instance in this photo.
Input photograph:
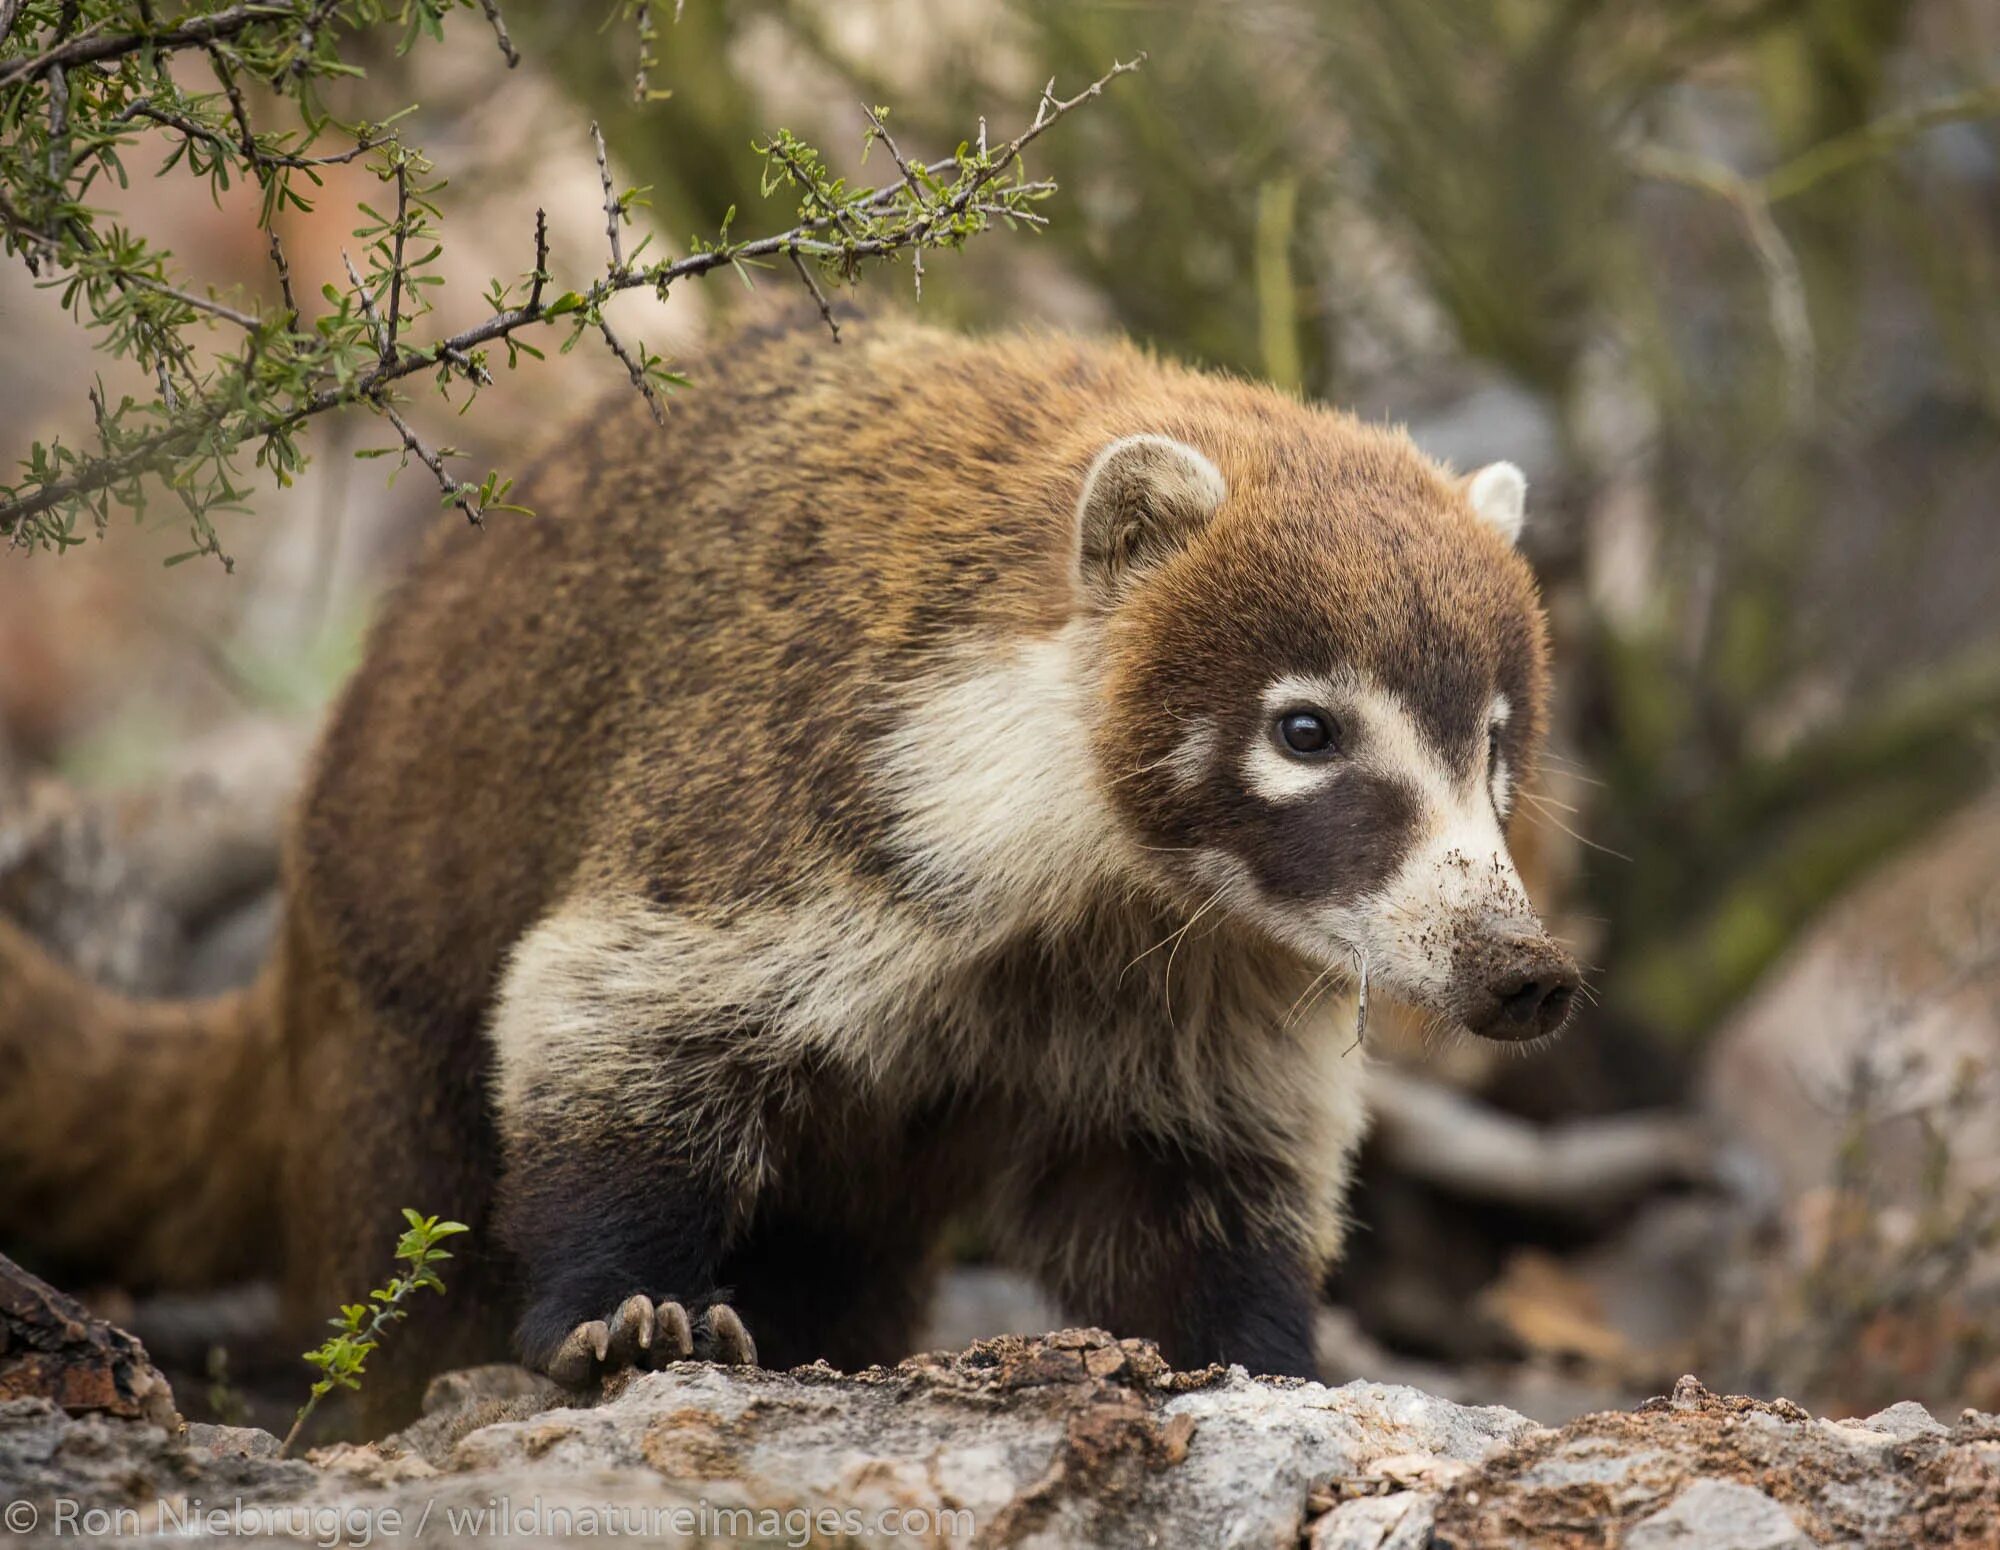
(1325, 686)
(1513, 987)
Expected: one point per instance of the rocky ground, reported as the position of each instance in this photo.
(1072, 1438)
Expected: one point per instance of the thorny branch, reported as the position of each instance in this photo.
(290, 369)
(197, 31)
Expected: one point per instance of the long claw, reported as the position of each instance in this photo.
(631, 1332)
(728, 1340)
(673, 1336)
(576, 1359)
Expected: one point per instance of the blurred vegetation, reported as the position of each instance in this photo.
(1739, 260)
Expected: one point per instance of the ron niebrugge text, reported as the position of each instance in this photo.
(330, 1525)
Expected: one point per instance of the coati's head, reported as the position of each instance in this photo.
(1326, 672)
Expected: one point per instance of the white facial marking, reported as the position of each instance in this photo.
(1499, 493)
(1267, 769)
(1187, 761)
(1498, 715)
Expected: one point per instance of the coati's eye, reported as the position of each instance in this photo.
(1492, 749)
(1307, 733)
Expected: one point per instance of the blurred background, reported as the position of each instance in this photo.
(1724, 278)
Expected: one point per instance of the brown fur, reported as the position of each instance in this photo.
(667, 689)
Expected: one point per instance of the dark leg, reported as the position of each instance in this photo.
(849, 1293)
(1248, 1300)
(839, 1263)
(1205, 1255)
(619, 1237)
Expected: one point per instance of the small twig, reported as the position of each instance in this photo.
(260, 157)
(1810, 167)
(818, 295)
(395, 320)
(309, 31)
(643, 24)
(507, 49)
(59, 145)
(284, 279)
(466, 364)
(213, 308)
(540, 277)
(459, 493)
(10, 12)
(367, 300)
(611, 207)
(238, 109)
(881, 132)
(638, 371)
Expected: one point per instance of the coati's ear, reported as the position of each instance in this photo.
(1499, 493)
(1143, 498)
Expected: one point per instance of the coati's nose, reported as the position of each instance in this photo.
(1526, 999)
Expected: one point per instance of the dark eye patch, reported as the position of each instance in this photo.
(1336, 846)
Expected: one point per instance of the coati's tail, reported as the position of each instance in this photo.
(136, 1138)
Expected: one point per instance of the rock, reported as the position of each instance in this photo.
(496, 1383)
(1902, 974)
(1069, 1439)
(51, 1348)
(1718, 1515)
(48, 1457)
(1904, 1421)
(244, 1442)
(1698, 1469)
(1400, 1522)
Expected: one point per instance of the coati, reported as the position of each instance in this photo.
(935, 777)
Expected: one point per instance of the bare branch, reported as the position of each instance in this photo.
(395, 319)
(458, 491)
(284, 279)
(262, 158)
(818, 295)
(612, 213)
(90, 47)
(637, 371)
(540, 277)
(367, 300)
(205, 304)
(881, 132)
(492, 10)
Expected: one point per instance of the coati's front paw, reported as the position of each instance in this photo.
(642, 1333)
